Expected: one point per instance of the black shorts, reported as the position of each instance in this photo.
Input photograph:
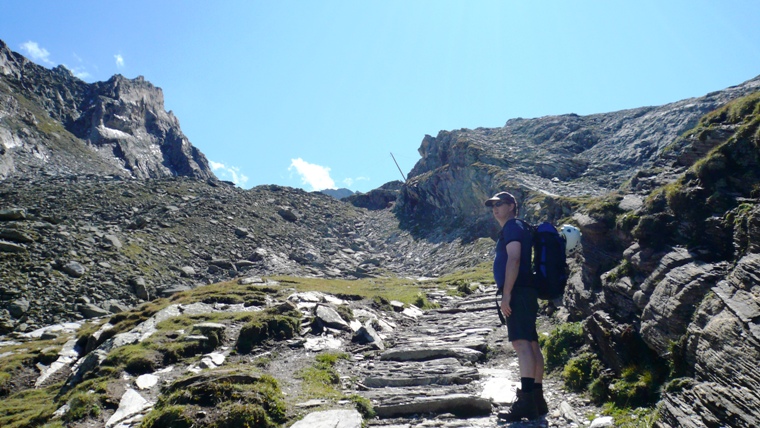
(521, 325)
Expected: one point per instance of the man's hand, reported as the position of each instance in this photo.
(505, 309)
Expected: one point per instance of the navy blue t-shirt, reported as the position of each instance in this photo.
(513, 230)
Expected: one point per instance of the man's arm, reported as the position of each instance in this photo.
(513, 268)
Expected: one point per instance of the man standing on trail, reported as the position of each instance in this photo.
(519, 304)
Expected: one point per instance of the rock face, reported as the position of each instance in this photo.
(568, 155)
(51, 122)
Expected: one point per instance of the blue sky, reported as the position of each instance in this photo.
(317, 94)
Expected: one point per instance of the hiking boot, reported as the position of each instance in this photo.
(538, 397)
(523, 407)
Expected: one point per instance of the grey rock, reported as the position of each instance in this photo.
(18, 308)
(331, 419)
(457, 404)
(74, 269)
(367, 334)
(288, 214)
(88, 310)
(12, 214)
(113, 241)
(139, 287)
(15, 236)
(168, 291)
(187, 271)
(331, 318)
(9, 247)
(424, 354)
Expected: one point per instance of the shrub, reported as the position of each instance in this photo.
(581, 370)
(637, 387)
(561, 343)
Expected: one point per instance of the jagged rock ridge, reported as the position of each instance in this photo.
(567, 155)
(52, 122)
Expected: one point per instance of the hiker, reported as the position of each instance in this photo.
(519, 304)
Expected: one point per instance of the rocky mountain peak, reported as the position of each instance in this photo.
(116, 127)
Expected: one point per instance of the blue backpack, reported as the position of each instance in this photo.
(550, 271)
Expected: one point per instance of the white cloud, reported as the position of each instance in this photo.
(316, 176)
(349, 181)
(119, 60)
(36, 53)
(231, 173)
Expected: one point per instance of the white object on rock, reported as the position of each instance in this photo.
(131, 404)
(603, 422)
(572, 235)
(146, 381)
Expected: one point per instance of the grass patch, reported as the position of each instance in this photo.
(82, 405)
(643, 417)
(402, 289)
(561, 343)
(234, 400)
(581, 370)
(321, 380)
(28, 408)
(268, 325)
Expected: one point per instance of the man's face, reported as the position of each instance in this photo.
(502, 210)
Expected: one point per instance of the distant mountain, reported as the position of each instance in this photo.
(56, 124)
(338, 193)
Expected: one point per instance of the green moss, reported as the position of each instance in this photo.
(260, 392)
(135, 359)
(643, 417)
(243, 415)
(28, 408)
(581, 371)
(82, 405)
(422, 302)
(321, 379)
(561, 343)
(268, 326)
(637, 387)
(679, 384)
(363, 406)
(345, 312)
(168, 417)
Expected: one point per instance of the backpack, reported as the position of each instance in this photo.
(549, 264)
(549, 261)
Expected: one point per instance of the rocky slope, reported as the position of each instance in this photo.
(53, 123)
(79, 246)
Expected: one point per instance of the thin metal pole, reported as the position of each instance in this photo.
(399, 168)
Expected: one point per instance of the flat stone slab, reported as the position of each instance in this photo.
(425, 354)
(461, 405)
(446, 371)
(331, 419)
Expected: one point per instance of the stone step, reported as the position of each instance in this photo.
(461, 405)
(445, 371)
